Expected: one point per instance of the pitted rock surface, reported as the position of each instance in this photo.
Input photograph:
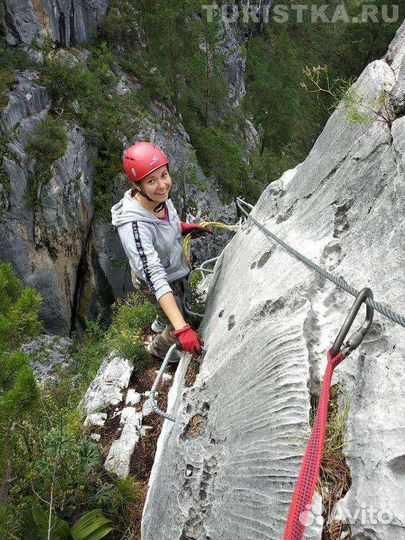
(228, 466)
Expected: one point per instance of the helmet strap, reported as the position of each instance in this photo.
(157, 208)
(141, 191)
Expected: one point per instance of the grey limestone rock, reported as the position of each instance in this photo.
(227, 467)
(48, 355)
(64, 22)
(107, 387)
(46, 243)
(119, 456)
(26, 98)
(95, 419)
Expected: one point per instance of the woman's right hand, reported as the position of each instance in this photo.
(188, 339)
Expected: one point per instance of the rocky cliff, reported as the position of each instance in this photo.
(227, 467)
(53, 237)
(65, 23)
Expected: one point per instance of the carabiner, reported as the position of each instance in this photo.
(357, 337)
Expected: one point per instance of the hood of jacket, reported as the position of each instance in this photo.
(128, 210)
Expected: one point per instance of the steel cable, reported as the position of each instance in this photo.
(340, 282)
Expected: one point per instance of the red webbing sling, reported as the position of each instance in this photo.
(308, 477)
(309, 472)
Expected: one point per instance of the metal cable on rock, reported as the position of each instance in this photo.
(340, 282)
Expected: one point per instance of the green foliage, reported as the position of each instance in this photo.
(46, 145)
(19, 308)
(359, 109)
(91, 526)
(131, 318)
(106, 117)
(4, 179)
(129, 492)
(223, 159)
(19, 394)
(196, 278)
(177, 56)
(11, 59)
(361, 43)
(289, 118)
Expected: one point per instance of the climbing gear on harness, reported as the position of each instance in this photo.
(153, 393)
(194, 229)
(143, 158)
(304, 491)
(188, 339)
(340, 282)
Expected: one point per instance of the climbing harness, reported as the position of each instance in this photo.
(157, 382)
(340, 282)
(304, 491)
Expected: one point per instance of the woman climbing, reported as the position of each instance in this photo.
(151, 235)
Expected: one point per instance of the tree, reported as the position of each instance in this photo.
(19, 322)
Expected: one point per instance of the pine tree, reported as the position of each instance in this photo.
(19, 322)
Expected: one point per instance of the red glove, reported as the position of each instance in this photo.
(195, 229)
(188, 339)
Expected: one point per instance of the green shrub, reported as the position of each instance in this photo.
(106, 118)
(19, 309)
(135, 313)
(11, 59)
(46, 145)
(91, 526)
(19, 394)
(221, 159)
(131, 318)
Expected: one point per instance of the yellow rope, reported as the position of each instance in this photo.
(205, 224)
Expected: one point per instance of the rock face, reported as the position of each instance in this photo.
(66, 22)
(227, 467)
(106, 389)
(48, 355)
(46, 240)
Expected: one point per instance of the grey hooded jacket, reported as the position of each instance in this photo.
(153, 246)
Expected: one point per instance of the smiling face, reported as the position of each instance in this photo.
(157, 184)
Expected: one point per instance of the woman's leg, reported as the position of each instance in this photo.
(163, 341)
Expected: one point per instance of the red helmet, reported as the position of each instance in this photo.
(143, 158)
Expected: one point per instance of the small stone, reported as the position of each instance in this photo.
(95, 419)
(95, 437)
(144, 430)
(133, 397)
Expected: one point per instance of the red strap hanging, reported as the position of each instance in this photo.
(309, 473)
(308, 477)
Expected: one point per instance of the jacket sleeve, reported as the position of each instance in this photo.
(144, 259)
